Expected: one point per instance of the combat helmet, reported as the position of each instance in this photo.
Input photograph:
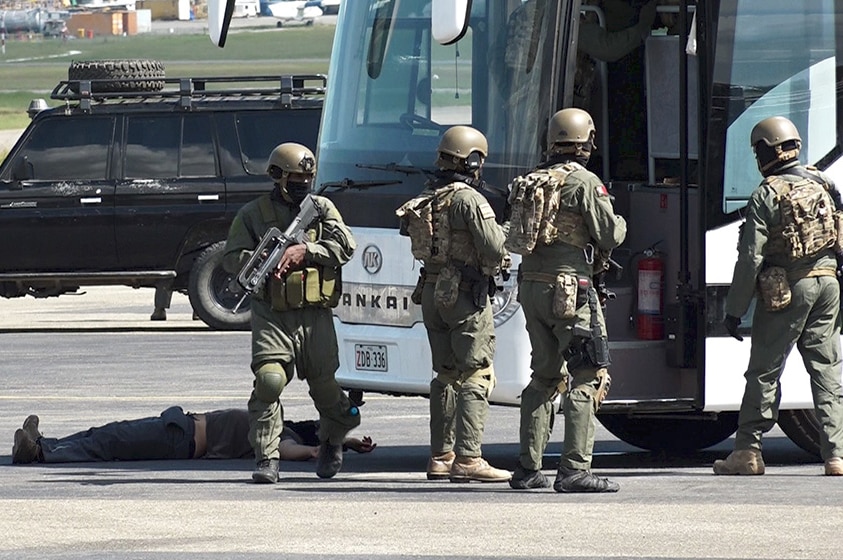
(290, 157)
(570, 131)
(774, 140)
(462, 148)
(293, 159)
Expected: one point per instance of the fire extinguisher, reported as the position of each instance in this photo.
(650, 312)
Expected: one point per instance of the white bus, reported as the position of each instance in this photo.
(673, 119)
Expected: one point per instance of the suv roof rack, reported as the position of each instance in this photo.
(190, 90)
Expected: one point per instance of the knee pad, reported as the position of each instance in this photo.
(484, 378)
(604, 383)
(270, 379)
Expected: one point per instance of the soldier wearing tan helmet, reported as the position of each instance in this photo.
(787, 249)
(561, 252)
(453, 232)
(292, 324)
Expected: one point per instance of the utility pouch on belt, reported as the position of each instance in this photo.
(774, 287)
(303, 288)
(416, 296)
(447, 288)
(565, 296)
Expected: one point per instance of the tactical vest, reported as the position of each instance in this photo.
(432, 239)
(536, 216)
(807, 218)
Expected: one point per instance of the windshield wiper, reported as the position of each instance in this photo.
(347, 183)
(397, 168)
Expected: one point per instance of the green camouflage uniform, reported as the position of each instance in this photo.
(302, 338)
(462, 337)
(582, 193)
(811, 322)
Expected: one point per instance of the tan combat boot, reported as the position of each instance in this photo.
(744, 461)
(466, 469)
(834, 467)
(30, 426)
(439, 466)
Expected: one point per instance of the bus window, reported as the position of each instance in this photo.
(795, 78)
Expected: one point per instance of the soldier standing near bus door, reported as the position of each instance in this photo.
(787, 248)
(565, 227)
(292, 324)
(453, 232)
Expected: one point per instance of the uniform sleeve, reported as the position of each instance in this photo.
(608, 46)
(478, 217)
(607, 229)
(336, 244)
(240, 243)
(753, 239)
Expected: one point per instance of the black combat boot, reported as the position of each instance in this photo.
(266, 471)
(24, 450)
(525, 479)
(329, 462)
(572, 480)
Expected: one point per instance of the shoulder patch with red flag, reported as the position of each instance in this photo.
(602, 190)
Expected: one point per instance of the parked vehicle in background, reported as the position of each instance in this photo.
(328, 7)
(136, 179)
(287, 11)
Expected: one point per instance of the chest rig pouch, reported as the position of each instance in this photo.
(428, 224)
(807, 218)
(536, 216)
(313, 286)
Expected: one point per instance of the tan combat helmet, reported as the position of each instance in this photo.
(774, 132)
(290, 158)
(462, 148)
(570, 131)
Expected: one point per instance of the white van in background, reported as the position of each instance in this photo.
(246, 8)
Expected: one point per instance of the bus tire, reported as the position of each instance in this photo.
(674, 433)
(210, 296)
(802, 427)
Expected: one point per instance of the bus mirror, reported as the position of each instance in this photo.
(219, 18)
(449, 20)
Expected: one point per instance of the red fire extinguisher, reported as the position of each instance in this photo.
(650, 313)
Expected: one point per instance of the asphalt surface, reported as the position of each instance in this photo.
(79, 361)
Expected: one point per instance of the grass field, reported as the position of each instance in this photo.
(32, 69)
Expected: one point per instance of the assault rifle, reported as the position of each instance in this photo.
(269, 251)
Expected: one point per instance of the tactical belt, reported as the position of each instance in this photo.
(539, 277)
(430, 278)
(813, 273)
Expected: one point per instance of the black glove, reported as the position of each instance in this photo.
(732, 323)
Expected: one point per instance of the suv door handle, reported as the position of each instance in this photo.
(91, 200)
(207, 197)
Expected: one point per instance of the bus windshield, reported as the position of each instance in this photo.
(399, 90)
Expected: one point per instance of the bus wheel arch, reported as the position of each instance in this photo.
(673, 433)
(802, 427)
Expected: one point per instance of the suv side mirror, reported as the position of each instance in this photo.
(22, 169)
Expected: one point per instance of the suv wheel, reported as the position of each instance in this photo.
(209, 293)
(123, 75)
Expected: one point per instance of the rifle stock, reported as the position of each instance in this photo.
(270, 249)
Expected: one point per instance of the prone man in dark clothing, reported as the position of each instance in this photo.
(218, 434)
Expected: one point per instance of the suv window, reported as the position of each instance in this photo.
(259, 133)
(152, 147)
(69, 148)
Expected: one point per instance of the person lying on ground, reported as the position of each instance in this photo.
(218, 434)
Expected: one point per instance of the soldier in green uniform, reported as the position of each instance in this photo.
(453, 232)
(565, 241)
(787, 248)
(292, 325)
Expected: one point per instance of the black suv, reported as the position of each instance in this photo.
(135, 180)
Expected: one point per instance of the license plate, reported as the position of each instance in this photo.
(370, 357)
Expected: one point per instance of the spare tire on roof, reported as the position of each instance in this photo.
(130, 75)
